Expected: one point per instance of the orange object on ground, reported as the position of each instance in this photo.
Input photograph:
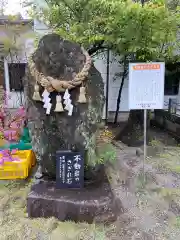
(20, 168)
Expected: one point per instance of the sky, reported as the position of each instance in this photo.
(14, 6)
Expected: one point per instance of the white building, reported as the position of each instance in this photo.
(25, 38)
(16, 45)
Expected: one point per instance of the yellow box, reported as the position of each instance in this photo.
(18, 169)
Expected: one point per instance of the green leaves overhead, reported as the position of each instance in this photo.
(149, 31)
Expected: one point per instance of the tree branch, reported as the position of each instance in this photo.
(71, 9)
(96, 47)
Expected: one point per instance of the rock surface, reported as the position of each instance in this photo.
(59, 58)
(86, 205)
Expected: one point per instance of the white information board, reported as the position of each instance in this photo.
(146, 85)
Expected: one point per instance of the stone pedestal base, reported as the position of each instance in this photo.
(89, 204)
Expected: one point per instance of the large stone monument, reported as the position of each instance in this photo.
(64, 101)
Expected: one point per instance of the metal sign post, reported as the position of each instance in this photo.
(145, 142)
(146, 91)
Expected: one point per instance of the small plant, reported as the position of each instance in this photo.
(177, 222)
(106, 153)
(155, 143)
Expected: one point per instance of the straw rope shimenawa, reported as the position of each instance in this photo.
(52, 84)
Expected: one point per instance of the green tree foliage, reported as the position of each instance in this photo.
(125, 26)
